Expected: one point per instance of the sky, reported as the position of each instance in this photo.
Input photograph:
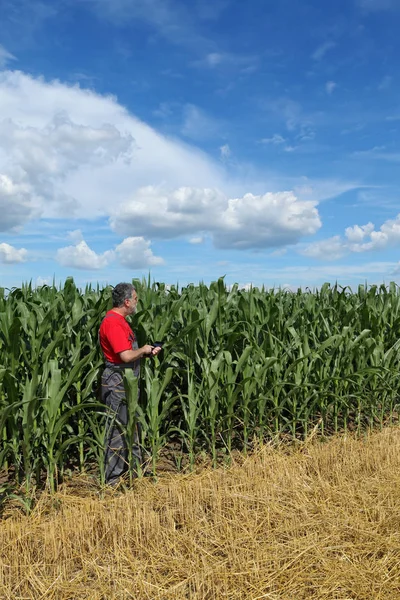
(191, 140)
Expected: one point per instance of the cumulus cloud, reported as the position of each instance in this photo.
(329, 249)
(358, 233)
(18, 203)
(10, 255)
(133, 252)
(71, 151)
(160, 214)
(61, 145)
(247, 222)
(82, 257)
(357, 239)
(387, 235)
(75, 236)
(39, 159)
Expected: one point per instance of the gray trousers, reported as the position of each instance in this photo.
(117, 453)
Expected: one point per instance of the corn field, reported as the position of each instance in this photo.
(237, 365)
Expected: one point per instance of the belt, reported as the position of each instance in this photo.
(119, 366)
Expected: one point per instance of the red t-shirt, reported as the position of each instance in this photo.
(115, 336)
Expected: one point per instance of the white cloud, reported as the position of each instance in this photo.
(292, 114)
(329, 249)
(225, 151)
(330, 86)
(214, 59)
(18, 203)
(318, 190)
(358, 233)
(387, 235)
(69, 151)
(40, 158)
(165, 110)
(196, 240)
(10, 255)
(5, 57)
(43, 281)
(61, 145)
(245, 64)
(279, 252)
(82, 257)
(377, 153)
(173, 20)
(287, 287)
(135, 252)
(75, 236)
(360, 238)
(322, 50)
(248, 222)
(276, 140)
(157, 213)
(197, 125)
(132, 252)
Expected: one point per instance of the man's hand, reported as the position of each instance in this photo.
(147, 349)
(132, 355)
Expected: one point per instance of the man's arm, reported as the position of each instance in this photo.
(128, 356)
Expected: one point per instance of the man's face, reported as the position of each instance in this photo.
(131, 304)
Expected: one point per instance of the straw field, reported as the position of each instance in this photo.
(320, 520)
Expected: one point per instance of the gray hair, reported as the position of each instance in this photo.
(122, 292)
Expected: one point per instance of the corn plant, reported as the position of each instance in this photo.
(236, 364)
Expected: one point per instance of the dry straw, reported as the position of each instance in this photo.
(319, 521)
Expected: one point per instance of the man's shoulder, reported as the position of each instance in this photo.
(112, 320)
(113, 316)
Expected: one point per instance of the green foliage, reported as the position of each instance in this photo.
(236, 364)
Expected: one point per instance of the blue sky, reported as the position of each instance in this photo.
(192, 140)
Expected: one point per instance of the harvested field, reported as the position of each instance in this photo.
(318, 521)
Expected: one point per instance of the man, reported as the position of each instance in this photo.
(121, 351)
